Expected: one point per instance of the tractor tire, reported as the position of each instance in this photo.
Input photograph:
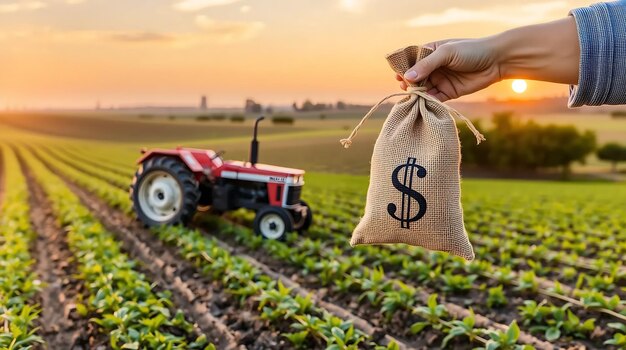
(273, 223)
(302, 224)
(164, 192)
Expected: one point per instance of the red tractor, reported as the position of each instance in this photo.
(171, 185)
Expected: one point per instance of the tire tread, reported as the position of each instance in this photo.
(183, 175)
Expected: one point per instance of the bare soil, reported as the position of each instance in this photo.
(398, 326)
(377, 333)
(227, 322)
(60, 325)
(504, 315)
(459, 302)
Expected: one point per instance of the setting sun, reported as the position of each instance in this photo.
(519, 86)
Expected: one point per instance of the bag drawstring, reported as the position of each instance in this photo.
(419, 91)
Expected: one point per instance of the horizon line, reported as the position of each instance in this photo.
(239, 107)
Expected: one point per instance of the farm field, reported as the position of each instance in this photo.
(79, 272)
(311, 141)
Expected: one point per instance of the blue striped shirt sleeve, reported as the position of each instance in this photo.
(602, 36)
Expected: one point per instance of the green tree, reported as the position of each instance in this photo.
(517, 145)
(567, 146)
(470, 152)
(510, 143)
(612, 152)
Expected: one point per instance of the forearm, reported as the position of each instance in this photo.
(586, 50)
(547, 52)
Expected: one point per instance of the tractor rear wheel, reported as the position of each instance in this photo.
(164, 192)
(273, 223)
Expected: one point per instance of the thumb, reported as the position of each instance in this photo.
(422, 69)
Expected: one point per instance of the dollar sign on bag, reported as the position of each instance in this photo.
(408, 193)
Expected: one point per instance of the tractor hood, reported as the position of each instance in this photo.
(204, 162)
(260, 172)
(264, 169)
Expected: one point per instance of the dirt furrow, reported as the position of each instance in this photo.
(456, 311)
(189, 290)
(360, 323)
(60, 325)
(581, 263)
(118, 221)
(251, 331)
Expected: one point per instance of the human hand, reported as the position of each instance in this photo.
(456, 67)
(547, 52)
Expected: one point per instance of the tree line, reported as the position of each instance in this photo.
(527, 146)
(251, 106)
(613, 152)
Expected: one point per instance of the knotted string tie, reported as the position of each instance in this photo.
(419, 91)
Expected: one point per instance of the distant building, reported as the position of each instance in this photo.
(253, 107)
(203, 104)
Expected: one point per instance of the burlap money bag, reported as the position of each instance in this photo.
(414, 191)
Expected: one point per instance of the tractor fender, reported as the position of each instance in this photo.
(186, 156)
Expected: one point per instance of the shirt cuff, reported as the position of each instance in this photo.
(595, 36)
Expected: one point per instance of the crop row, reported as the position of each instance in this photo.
(457, 284)
(506, 253)
(105, 163)
(589, 298)
(113, 158)
(523, 282)
(18, 284)
(377, 295)
(500, 239)
(121, 301)
(499, 242)
(310, 325)
(274, 300)
(460, 277)
(590, 230)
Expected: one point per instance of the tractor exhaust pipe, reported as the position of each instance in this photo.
(254, 146)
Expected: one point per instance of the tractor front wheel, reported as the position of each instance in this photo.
(302, 217)
(273, 223)
(164, 192)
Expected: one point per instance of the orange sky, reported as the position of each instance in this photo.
(72, 53)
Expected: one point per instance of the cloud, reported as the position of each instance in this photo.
(211, 32)
(22, 6)
(32, 5)
(197, 5)
(136, 37)
(228, 31)
(518, 15)
(50, 34)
